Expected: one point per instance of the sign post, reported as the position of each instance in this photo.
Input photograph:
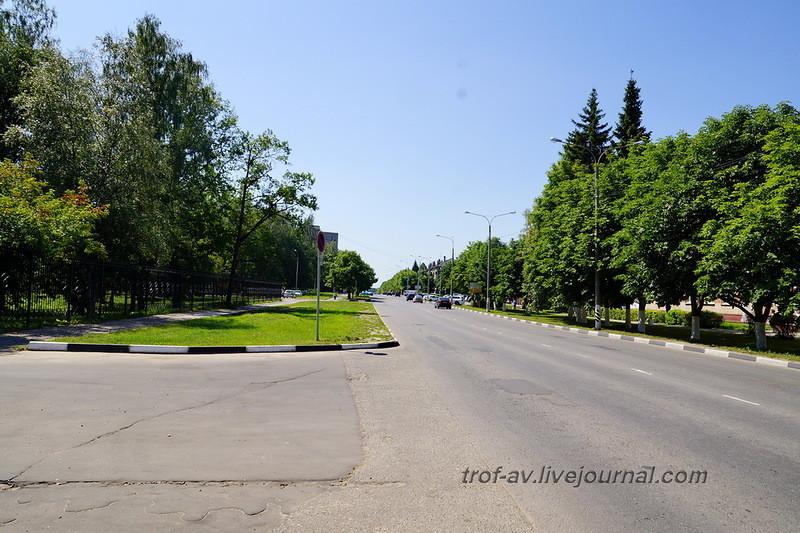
(320, 249)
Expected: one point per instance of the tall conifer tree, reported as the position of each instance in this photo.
(629, 127)
(590, 132)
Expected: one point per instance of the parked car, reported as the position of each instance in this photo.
(418, 299)
(457, 299)
(443, 302)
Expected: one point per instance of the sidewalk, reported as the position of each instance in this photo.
(22, 338)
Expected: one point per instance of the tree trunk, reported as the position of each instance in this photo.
(627, 317)
(761, 335)
(642, 316)
(608, 318)
(695, 328)
(697, 306)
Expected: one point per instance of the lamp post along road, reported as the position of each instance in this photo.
(452, 261)
(597, 154)
(489, 250)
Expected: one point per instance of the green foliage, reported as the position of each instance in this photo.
(751, 250)
(348, 272)
(35, 221)
(558, 239)
(629, 126)
(24, 34)
(144, 128)
(590, 135)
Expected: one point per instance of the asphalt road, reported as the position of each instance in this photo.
(424, 437)
(532, 398)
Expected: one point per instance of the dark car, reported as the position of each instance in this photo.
(443, 302)
(410, 296)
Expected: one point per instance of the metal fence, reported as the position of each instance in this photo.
(34, 293)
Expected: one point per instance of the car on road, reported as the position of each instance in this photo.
(418, 299)
(443, 302)
(410, 296)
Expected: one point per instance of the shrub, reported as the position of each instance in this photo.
(785, 325)
(710, 319)
(676, 317)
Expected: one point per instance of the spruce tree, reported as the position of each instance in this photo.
(629, 128)
(590, 135)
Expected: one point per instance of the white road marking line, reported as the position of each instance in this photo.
(543, 344)
(582, 355)
(740, 400)
(642, 371)
(520, 338)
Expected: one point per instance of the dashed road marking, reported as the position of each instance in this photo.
(740, 400)
(642, 371)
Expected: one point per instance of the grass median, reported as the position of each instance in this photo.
(734, 340)
(340, 323)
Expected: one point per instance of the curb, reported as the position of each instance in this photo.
(667, 344)
(190, 350)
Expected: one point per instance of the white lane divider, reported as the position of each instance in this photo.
(642, 371)
(740, 400)
(543, 344)
(583, 355)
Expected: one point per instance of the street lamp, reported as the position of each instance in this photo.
(427, 271)
(596, 154)
(452, 260)
(489, 247)
(297, 270)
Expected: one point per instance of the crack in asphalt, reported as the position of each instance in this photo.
(252, 387)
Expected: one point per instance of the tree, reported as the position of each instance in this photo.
(590, 135)
(657, 247)
(752, 248)
(165, 127)
(470, 268)
(260, 195)
(507, 265)
(348, 272)
(629, 126)
(558, 240)
(36, 221)
(24, 33)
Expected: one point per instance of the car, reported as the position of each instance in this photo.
(410, 296)
(457, 299)
(443, 302)
(430, 297)
(418, 299)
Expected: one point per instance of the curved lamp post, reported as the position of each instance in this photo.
(596, 154)
(489, 248)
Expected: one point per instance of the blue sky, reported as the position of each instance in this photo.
(409, 113)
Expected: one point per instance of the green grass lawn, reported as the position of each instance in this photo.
(734, 340)
(340, 322)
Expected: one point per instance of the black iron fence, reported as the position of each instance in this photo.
(34, 293)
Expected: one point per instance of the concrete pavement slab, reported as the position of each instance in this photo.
(123, 442)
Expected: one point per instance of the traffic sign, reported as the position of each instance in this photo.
(321, 242)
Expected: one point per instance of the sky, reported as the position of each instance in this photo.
(410, 113)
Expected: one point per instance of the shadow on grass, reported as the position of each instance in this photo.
(304, 311)
(217, 324)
